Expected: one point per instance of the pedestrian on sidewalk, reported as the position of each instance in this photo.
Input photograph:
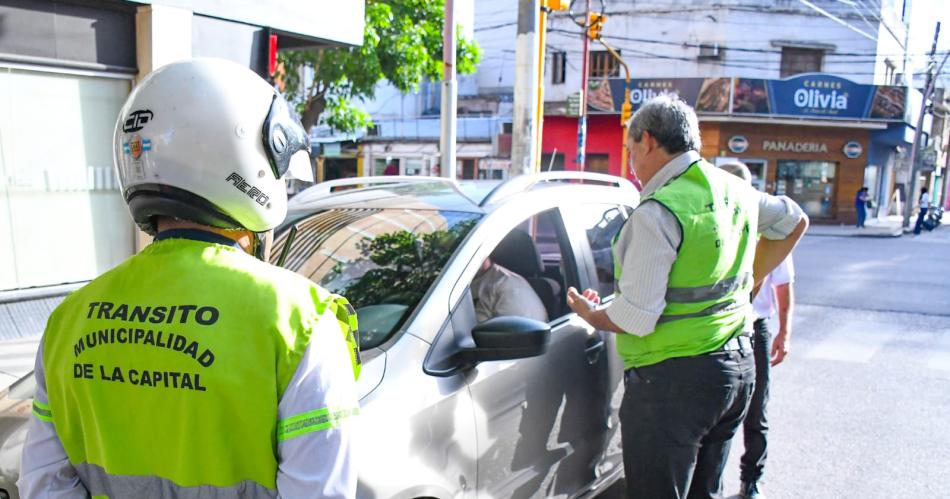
(777, 290)
(923, 203)
(861, 205)
(686, 262)
(240, 377)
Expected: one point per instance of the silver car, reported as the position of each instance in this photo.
(453, 408)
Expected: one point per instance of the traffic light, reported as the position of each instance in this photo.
(595, 25)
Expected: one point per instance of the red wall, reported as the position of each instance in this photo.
(604, 136)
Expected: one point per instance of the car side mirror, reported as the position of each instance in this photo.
(506, 338)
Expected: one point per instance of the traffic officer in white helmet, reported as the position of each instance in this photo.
(194, 369)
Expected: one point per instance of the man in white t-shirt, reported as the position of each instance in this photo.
(924, 202)
(775, 294)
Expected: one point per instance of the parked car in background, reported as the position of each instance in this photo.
(506, 408)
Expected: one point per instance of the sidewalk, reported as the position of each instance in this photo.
(874, 227)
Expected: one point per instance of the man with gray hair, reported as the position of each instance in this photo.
(687, 263)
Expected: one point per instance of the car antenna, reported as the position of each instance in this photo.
(291, 235)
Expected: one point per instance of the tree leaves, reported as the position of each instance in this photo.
(402, 44)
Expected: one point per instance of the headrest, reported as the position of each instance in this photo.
(518, 253)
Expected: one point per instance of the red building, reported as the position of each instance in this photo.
(604, 143)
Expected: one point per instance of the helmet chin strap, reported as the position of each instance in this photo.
(261, 244)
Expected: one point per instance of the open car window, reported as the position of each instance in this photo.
(382, 260)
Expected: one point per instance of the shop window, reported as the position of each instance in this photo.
(603, 65)
(558, 67)
(386, 166)
(414, 167)
(552, 163)
(800, 60)
(62, 218)
(810, 183)
(598, 163)
(467, 169)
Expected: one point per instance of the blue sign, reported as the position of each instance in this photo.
(852, 149)
(820, 95)
(815, 95)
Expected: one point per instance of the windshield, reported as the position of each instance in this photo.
(382, 260)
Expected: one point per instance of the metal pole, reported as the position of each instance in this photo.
(526, 99)
(539, 110)
(449, 118)
(625, 110)
(928, 89)
(582, 121)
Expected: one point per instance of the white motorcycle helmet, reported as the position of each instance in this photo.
(208, 141)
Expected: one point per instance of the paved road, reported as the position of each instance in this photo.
(860, 408)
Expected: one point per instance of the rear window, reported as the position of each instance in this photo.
(382, 260)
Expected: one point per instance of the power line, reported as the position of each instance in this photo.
(838, 20)
(725, 47)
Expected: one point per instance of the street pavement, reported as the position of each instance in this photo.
(860, 407)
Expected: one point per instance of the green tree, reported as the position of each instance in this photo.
(402, 44)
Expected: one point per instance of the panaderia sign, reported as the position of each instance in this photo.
(792, 146)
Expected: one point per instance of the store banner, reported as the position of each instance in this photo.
(819, 96)
(811, 95)
(707, 95)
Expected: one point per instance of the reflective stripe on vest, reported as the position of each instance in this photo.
(707, 296)
(42, 411)
(711, 292)
(102, 484)
(170, 367)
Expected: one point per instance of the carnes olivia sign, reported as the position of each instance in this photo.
(820, 96)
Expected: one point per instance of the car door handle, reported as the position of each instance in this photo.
(595, 346)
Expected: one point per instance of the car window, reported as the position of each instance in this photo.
(528, 273)
(382, 260)
(601, 223)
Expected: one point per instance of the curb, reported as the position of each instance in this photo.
(880, 235)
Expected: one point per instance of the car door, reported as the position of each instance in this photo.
(592, 227)
(540, 422)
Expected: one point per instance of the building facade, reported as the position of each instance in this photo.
(66, 68)
(797, 92)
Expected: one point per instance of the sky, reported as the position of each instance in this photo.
(924, 17)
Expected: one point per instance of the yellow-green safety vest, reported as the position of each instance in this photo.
(165, 373)
(707, 296)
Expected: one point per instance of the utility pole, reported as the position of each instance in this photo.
(524, 126)
(582, 120)
(914, 151)
(449, 118)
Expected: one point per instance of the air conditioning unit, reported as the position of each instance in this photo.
(709, 51)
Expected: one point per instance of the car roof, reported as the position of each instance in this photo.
(441, 194)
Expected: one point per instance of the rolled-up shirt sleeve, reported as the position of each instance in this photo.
(778, 216)
(647, 247)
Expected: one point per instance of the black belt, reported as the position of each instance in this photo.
(741, 343)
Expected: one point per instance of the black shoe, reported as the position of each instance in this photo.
(750, 490)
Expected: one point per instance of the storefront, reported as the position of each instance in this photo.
(66, 68)
(807, 137)
(821, 168)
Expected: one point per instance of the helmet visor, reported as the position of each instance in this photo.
(286, 142)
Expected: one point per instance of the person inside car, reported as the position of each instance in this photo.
(498, 291)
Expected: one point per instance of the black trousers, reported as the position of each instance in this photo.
(921, 215)
(677, 420)
(755, 428)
